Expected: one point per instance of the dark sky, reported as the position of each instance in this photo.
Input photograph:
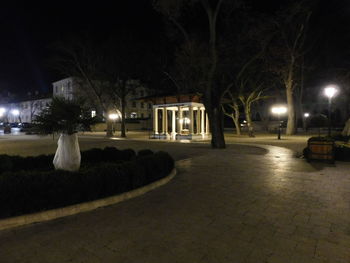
(27, 29)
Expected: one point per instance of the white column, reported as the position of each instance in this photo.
(179, 121)
(165, 121)
(207, 124)
(198, 121)
(155, 120)
(202, 121)
(173, 123)
(191, 120)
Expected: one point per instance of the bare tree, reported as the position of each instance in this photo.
(201, 54)
(233, 110)
(287, 50)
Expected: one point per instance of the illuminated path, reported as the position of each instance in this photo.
(243, 204)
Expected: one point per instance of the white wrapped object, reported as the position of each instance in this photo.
(67, 155)
(346, 130)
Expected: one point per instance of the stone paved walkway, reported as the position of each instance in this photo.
(242, 204)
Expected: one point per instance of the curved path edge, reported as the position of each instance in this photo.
(47, 215)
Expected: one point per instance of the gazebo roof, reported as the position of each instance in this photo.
(171, 99)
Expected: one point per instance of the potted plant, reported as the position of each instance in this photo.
(65, 117)
(320, 148)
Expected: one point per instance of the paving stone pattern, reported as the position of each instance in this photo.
(242, 204)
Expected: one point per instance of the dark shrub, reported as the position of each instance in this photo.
(128, 154)
(321, 139)
(342, 153)
(108, 154)
(339, 137)
(31, 191)
(17, 163)
(145, 152)
(306, 152)
(92, 156)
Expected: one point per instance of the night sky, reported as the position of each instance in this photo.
(27, 30)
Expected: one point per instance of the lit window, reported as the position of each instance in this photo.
(93, 113)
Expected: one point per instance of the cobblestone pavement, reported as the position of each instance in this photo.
(242, 204)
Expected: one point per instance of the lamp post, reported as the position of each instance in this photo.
(279, 110)
(330, 91)
(113, 117)
(306, 115)
(15, 113)
(2, 112)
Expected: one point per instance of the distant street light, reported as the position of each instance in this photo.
(113, 117)
(330, 92)
(306, 115)
(279, 110)
(15, 112)
(2, 111)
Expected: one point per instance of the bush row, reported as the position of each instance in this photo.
(89, 157)
(24, 192)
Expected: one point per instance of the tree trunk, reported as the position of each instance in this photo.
(123, 126)
(249, 120)
(235, 120)
(215, 116)
(291, 114)
(212, 93)
(290, 99)
(67, 155)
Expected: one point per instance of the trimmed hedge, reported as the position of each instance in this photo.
(24, 192)
(44, 162)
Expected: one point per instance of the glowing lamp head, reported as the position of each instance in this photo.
(306, 114)
(2, 111)
(15, 112)
(279, 110)
(113, 116)
(330, 91)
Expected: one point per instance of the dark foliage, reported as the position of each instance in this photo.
(63, 116)
(32, 191)
(145, 152)
(44, 162)
(342, 154)
(339, 137)
(322, 139)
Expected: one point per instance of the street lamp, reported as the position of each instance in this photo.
(15, 112)
(330, 91)
(279, 110)
(2, 111)
(113, 117)
(306, 115)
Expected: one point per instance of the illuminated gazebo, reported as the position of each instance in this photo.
(179, 117)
